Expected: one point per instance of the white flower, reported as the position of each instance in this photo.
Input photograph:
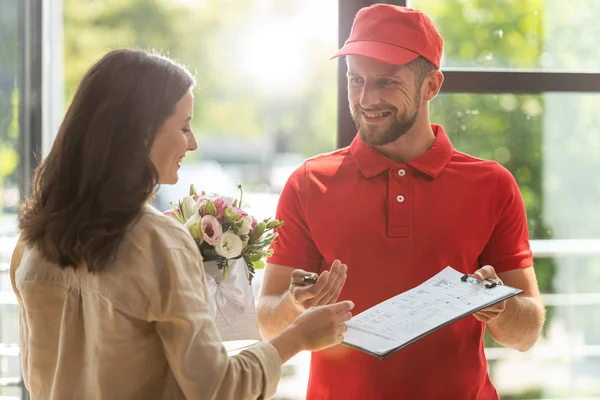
(228, 201)
(194, 225)
(189, 207)
(246, 225)
(231, 245)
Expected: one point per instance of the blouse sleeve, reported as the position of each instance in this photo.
(192, 345)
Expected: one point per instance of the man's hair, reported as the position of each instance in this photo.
(421, 68)
(98, 175)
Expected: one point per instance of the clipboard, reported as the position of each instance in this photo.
(402, 320)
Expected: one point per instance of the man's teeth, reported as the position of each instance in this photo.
(376, 115)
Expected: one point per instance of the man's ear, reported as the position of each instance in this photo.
(432, 85)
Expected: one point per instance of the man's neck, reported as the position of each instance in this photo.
(412, 144)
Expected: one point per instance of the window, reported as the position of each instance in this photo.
(20, 136)
(522, 83)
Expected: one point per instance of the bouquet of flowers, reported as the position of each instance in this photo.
(223, 231)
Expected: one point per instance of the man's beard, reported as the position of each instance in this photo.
(399, 127)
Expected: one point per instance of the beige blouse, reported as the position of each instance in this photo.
(140, 329)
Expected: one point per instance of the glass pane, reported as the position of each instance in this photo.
(10, 69)
(565, 366)
(552, 379)
(540, 34)
(266, 97)
(551, 144)
(10, 132)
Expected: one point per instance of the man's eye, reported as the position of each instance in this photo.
(355, 81)
(386, 82)
(186, 130)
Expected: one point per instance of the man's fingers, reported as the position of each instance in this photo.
(485, 272)
(325, 290)
(336, 274)
(490, 313)
(325, 294)
(299, 274)
(337, 286)
(314, 291)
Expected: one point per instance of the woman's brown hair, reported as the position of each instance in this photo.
(94, 182)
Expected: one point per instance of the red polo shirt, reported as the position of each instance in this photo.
(394, 226)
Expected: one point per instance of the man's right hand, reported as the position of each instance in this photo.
(325, 290)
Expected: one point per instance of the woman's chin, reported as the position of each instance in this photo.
(171, 180)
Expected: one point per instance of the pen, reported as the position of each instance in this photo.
(308, 279)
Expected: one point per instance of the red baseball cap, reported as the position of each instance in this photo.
(393, 34)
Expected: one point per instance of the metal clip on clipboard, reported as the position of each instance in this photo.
(490, 285)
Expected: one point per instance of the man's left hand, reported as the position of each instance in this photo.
(491, 313)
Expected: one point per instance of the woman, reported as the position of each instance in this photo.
(113, 301)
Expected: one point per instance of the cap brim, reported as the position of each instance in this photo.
(387, 53)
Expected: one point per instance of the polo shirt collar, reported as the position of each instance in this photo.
(372, 163)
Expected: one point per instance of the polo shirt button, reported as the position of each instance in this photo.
(401, 172)
(400, 199)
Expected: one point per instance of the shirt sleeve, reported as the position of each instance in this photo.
(294, 246)
(508, 247)
(192, 344)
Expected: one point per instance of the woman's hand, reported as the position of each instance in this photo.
(323, 326)
(315, 329)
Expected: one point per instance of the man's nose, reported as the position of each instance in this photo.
(369, 97)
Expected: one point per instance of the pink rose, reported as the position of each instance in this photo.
(211, 230)
(239, 211)
(220, 205)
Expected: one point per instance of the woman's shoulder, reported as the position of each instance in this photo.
(156, 229)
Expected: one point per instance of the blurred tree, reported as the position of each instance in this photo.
(207, 37)
(9, 97)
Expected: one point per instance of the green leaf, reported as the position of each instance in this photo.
(258, 264)
(254, 257)
(273, 224)
(231, 216)
(225, 272)
(210, 209)
(257, 232)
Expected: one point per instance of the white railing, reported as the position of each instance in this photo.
(540, 248)
(564, 247)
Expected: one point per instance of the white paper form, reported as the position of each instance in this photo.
(408, 316)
